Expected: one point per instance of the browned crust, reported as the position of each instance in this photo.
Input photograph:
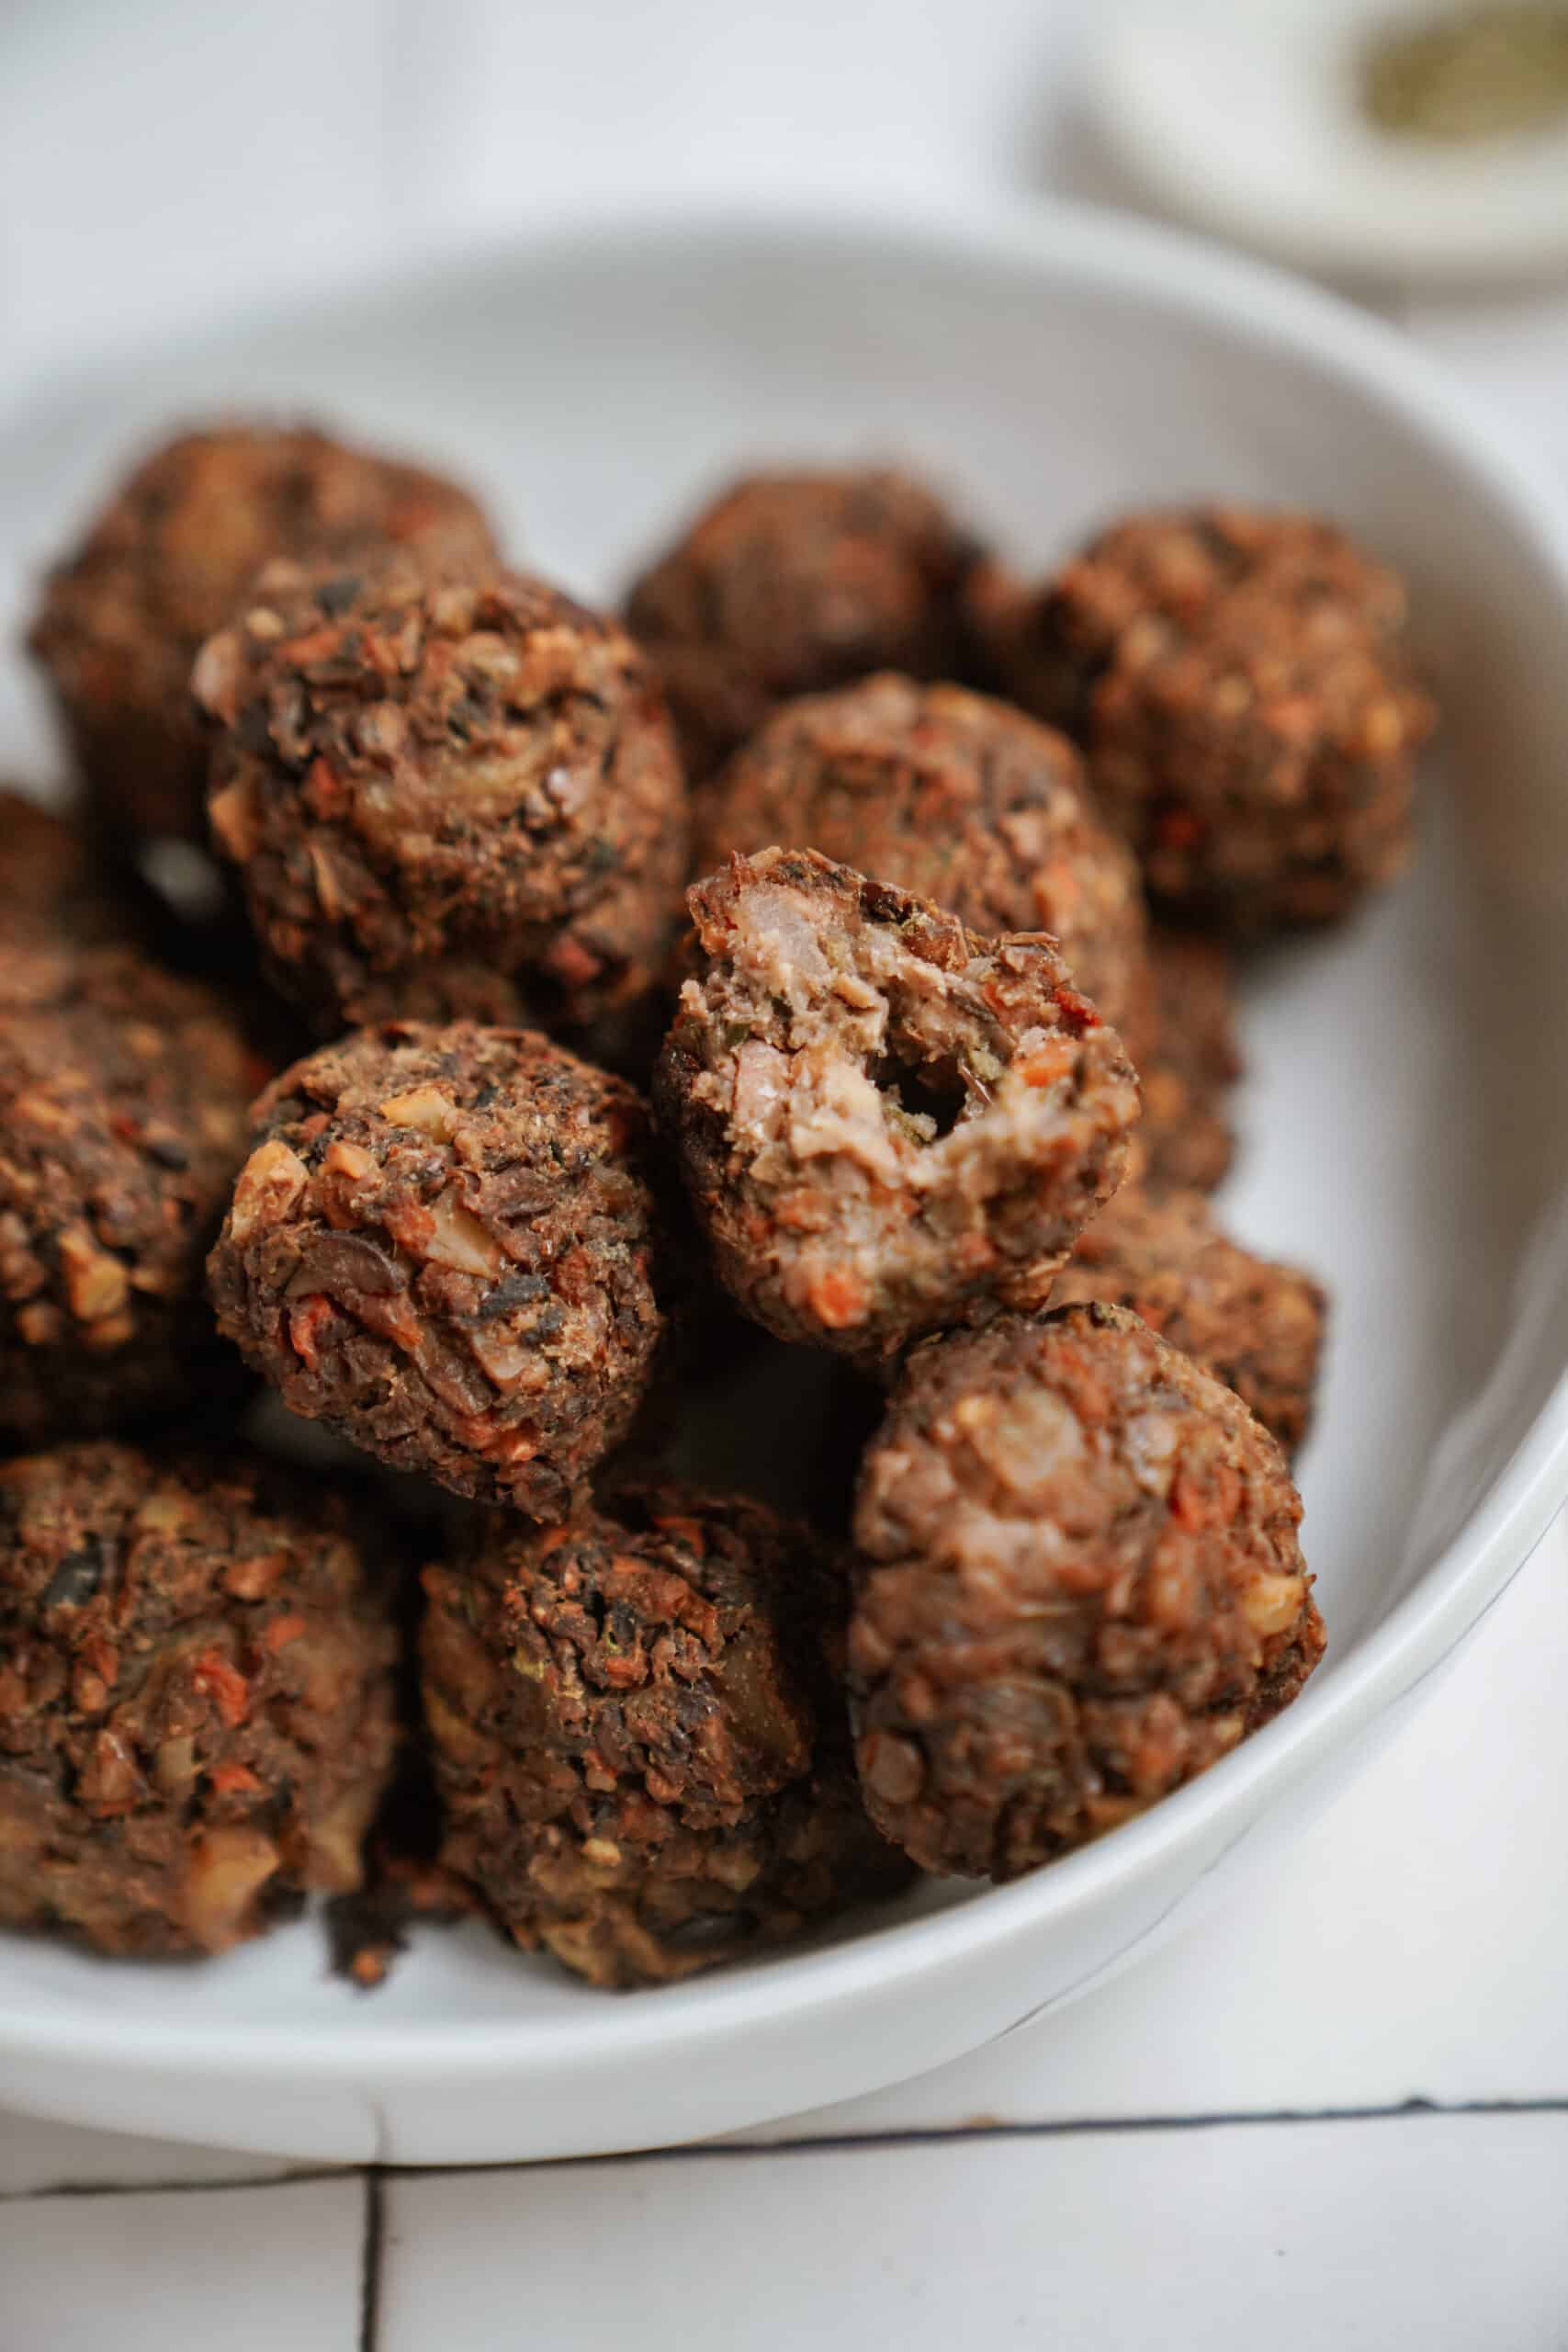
(1248, 714)
(169, 558)
(196, 1697)
(1186, 1139)
(1081, 1587)
(791, 582)
(1255, 1325)
(959, 800)
(122, 1122)
(641, 1751)
(443, 800)
(442, 1247)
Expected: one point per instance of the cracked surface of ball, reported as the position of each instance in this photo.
(1248, 713)
(1080, 1586)
(123, 1093)
(445, 800)
(169, 560)
(791, 582)
(1257, 1325)
(56, 898)
(640, 1739)
(960, 799)
(1187, 1136)
(441, 1247)
(197, 1711)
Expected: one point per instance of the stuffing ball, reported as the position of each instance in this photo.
(1185, 1140)
(1248, 714)
(641, 1750)
(56, 898)
(169, 560)
(1255, 1325)
(791, 583)
(959, 800)
(458, 799)
(441, 1248)
(196, 1697)
(122, 1122)
(885, 1123)
(1081, 1587)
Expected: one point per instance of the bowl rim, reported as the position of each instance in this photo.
(1246, 300)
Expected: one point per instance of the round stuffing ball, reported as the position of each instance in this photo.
(441, 1247)
(197, 1715)
(57, 899)
(451, 799)
(122, 1122)
(885, 1123)
(1249, 715)
(641, 1746)
(1081, 1585)
(960, 799)
(1185, 1140)
(1255, 1325)
(169, 560)
(791, 582)
(52, 886)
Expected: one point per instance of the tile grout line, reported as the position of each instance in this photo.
(370, 2258)
(176, 2186)
(1109, 2126)
(376, 2176)
(1070, 2128)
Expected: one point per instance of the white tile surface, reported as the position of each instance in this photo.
(37, 2155)
(237, 2270)
(1299, 2236)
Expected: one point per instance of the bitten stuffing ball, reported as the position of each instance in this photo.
(170, 558)
(795, 582)
(122, 1122)
(884, 1122)
(1248, 713)
(452, 799)
(441, 1247)
(960, 799)
(1081, 1587)
(197, 1715)
(640, 1741)
(1255, 1325)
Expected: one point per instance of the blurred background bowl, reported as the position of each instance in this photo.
(1294, 125)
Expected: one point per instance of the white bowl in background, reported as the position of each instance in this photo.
(1406, 1120)
(1245, 116)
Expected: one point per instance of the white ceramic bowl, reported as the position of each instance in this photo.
(1245, 116)
(1405, 1118)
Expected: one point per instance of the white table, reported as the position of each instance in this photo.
(1335, 2110)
